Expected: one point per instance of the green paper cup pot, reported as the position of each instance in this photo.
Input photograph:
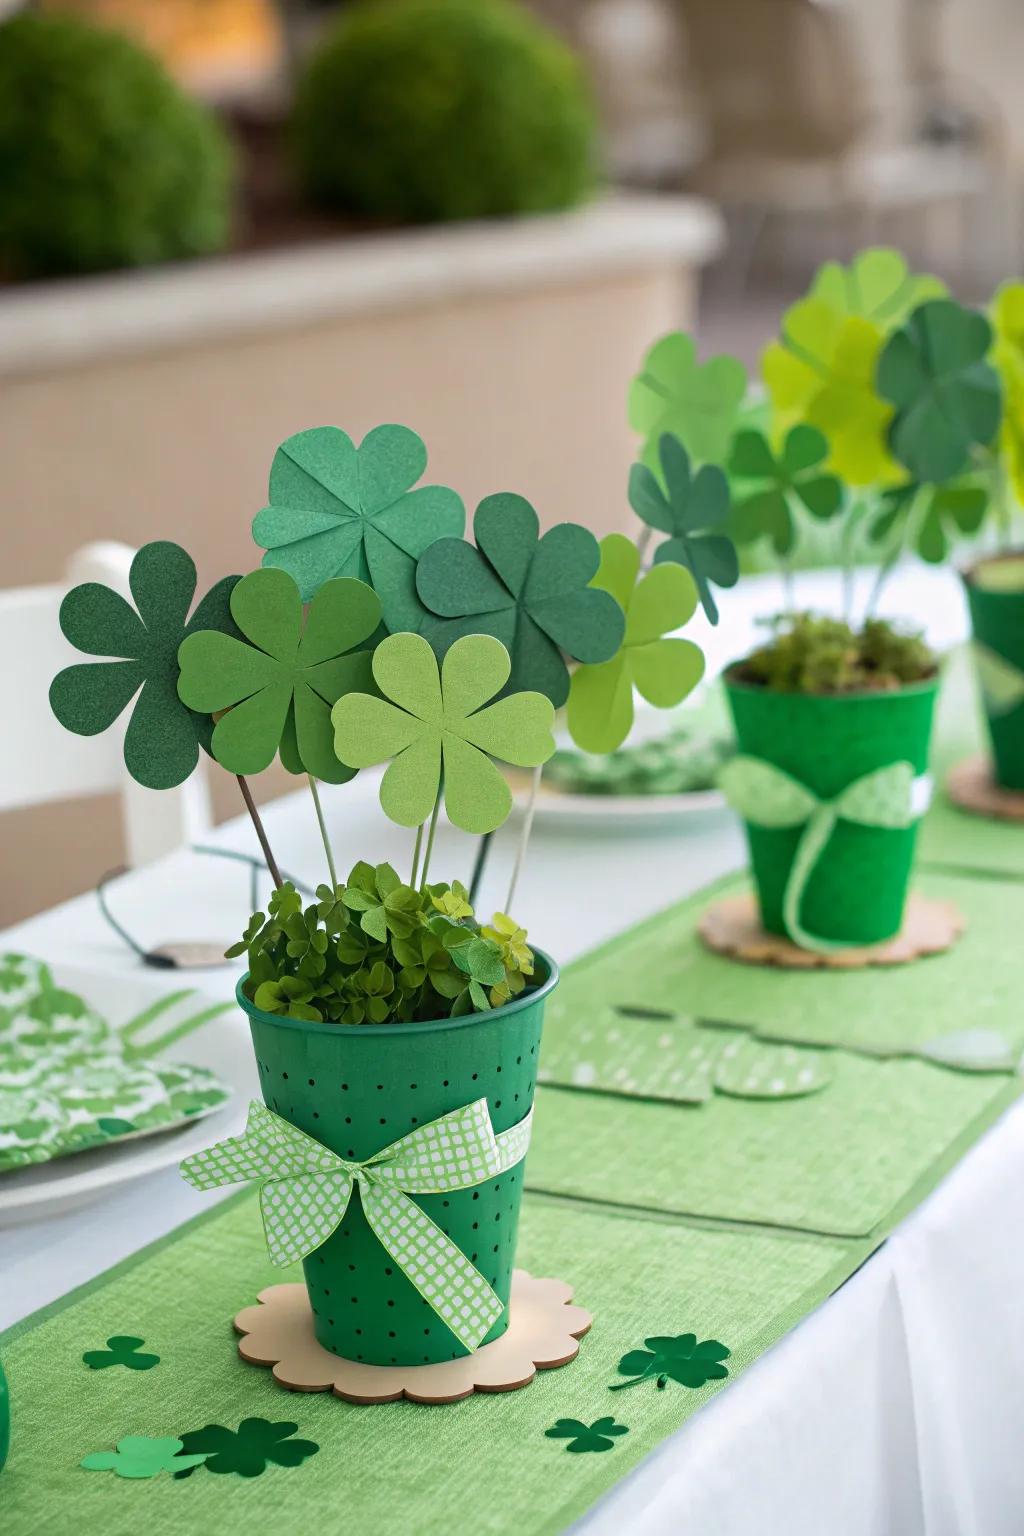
(997, 620)
(358, 1089)
(858, 888)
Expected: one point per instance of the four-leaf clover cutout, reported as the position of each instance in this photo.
(277, 684)
(249, 1450)
(663, 670)
(692, 510)
(121, 1350)
(679, 1359)
(161, 744)
(433, 716)
(530, 592)
(339, 510)
(698, 403)
(140, 1456)
(598, 1436)
(766, 484)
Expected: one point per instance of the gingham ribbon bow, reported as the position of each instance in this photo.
(1001, 681)
(766, 796)
(305, 1189)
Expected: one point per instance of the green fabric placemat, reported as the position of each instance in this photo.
(483, 1465)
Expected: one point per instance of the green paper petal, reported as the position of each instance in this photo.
(343, 614)
(588, 625)
(421, 517)
(517, 729)
(751, 457)
(88, 697)
(566, 558)
(620, 565)
(343, 674)
(648, 499)
(368, 730)
(600, 714)
(163, 583)
(246, 739)
(474, 670)
(405, 670)
(409, 786)
(803, 449)
(537, 663)
(822, 495)
(877, 285)
(267, 608)
(314, 738)
(390, 460)
(664, 599)
(697, 403)
(218, 671)
(454, 580)
(161, 747)
(316, 472)
(310, 562)
(665, 671)
(477, 798)
(506, 529)
(99, 622)
(214, 610)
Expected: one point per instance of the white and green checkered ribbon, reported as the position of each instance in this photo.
(1001, 681)
(766, 796)
(306, 1188)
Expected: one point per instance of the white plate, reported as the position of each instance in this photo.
(221, 1044)
(619, 813)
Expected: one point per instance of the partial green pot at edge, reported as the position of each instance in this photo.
(858, 889)
(997, 620)
(357, 1089)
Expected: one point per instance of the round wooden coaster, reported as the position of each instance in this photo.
(970, 785)
(543, 1332)
(732, 927)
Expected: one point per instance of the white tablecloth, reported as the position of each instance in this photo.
(897, 1409)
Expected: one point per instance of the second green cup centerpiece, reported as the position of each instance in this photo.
(995, 596)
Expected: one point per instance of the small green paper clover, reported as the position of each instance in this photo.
(877, 285)
(161, 744)
(587, 1437)
(663, 670)
(122, 1349)
(697, 403)
(529, 592)
(279, 689)
(249, 1450)
(139, 1456)
(432, 716)
(940, 515)
(947, 397)
(339, 510)
(679, 1359)
(690, 507)
(766, 484)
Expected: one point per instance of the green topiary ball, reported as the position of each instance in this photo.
(444, 109)
(104, 161)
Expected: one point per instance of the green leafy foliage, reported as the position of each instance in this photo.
(425, 110)
(679, 1359)
(808, 653)
(121, 1350)
(599, 1436)
(104, 160)
(247, 1450)
(372, 951)
(692, 509)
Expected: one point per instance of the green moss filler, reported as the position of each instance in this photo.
(104, 161)
(359, 1088)
(857, 892)
(995, 596)
(428, 110)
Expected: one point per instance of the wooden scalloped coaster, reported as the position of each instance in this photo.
(543, 1332)
(732, 927)
(970, 785)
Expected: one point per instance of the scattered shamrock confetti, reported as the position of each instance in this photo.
(249, 1450)
(278, 689)
(122, 1349)
(663, 670)
(587, 1437)
(697, 403)
(161, 744)
(431, 717)
(680, 1359)
(339, 510)
(689, 510)
(529, 592)
(766, 485)
(139, 1456)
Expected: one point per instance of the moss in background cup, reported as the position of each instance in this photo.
(995, 596)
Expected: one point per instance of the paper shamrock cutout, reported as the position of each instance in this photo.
(822, 373)
(339, 510)
(532, 593)
(598, 1436)
(432, 717)
(946, 395)
(689, 509)
(766, 484)
(679, 1359)
(161, 744)
(120, 1350)
(698, 403)
(249, 1450)
(140, 1456)
(940, 514)
(1007, 317)
(877, 285)
(663, 670)
(278, 689)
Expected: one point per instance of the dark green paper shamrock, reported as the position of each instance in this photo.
(680, 1359)
(161, 744)
(532, 593)
(339, 510)
(765, 485)
(940, 514)
(249, 1450)
(122, 1349)
(587, 1437)
(693, 510)
(947, 397)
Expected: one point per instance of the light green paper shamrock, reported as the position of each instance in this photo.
(766, 484)
(698, 403)
(339, 510)
(663, 670)
(140, 1456)
(432, 716)
(877, 285)
(279, 689)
